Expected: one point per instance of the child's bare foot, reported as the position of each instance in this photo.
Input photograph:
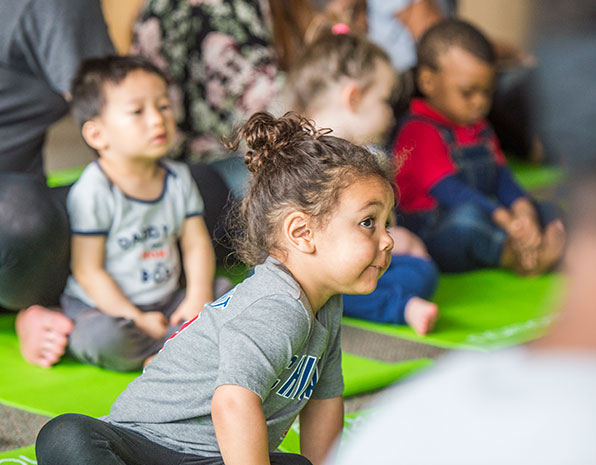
(552, 247)
(421, 315)
(43, 334)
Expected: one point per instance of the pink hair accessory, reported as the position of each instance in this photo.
(340, 28)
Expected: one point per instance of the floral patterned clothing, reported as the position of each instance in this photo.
(221, 61)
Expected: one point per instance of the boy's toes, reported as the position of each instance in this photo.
(43, 335)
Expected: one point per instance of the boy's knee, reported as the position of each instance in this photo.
(105, 342)
(429, 278)
(469, 215)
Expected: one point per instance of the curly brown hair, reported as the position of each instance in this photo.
(294, 166)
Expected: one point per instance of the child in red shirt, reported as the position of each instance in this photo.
(456, 191)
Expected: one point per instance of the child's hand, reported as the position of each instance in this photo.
(187, 310)
(154, 324)
(526, 231)
(406, 242)
(525, 226)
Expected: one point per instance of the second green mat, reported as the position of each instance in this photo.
(483, 310)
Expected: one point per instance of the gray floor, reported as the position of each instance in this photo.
(66, 149)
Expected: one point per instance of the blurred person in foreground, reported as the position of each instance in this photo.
(532, 403)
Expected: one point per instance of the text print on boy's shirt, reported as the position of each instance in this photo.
(262, 336)
(141, 252)
(154, 240)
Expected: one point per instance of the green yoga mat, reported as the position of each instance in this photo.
(73, 387)
(22, 456)
(64, 177)
(535, 177)
(483, 310)
(291, 443)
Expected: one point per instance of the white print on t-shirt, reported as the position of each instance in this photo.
(303, 379)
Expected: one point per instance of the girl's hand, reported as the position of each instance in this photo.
(187, 310)
(154, 324)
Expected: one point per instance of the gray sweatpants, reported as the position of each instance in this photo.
(114, 343)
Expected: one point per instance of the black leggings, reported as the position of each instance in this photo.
(35, 236)
(74, 438)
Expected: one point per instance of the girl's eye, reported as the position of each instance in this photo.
(367, 223)
(165, 106)
(137, 111)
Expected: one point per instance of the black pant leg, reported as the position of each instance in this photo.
(74, 438)
(34, 242)
(218, 204)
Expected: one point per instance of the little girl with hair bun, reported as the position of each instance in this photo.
(229, 384)
(347, 83)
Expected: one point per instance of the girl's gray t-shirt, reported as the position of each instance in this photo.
(262, 335)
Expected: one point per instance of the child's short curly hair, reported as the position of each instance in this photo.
(451, 33)
(294, 166)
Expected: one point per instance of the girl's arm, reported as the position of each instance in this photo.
(240, 426)
(199, 266)
(88, 269)
(321, 423)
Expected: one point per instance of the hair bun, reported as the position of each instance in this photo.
(267, 137)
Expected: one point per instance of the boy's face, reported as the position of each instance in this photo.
(137, 121)
(461, 89)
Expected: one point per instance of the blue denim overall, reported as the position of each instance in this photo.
(464, 237)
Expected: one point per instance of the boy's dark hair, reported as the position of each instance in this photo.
(87, 89)
(294, 166)
(329, 58)
(453, 33)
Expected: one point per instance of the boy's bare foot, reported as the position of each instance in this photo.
(421, 315)
(552, 247)
(43, 334)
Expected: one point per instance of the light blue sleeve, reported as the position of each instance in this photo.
(193, 202)
(90, 205)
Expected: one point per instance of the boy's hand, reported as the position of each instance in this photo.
(187, 310)
(154, 324)
(525, 227)
(406, 242)
(526, 231)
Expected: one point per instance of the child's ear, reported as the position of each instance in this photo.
(426, 80)
(93, 135)
(297, 231)
(351, 95)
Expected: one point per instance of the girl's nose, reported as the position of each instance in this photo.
(387, 242)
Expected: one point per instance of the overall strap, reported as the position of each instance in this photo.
(445, 132)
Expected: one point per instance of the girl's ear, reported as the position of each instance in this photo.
(426, 80)
(298, 232)
(351, 94)
(93, 135)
